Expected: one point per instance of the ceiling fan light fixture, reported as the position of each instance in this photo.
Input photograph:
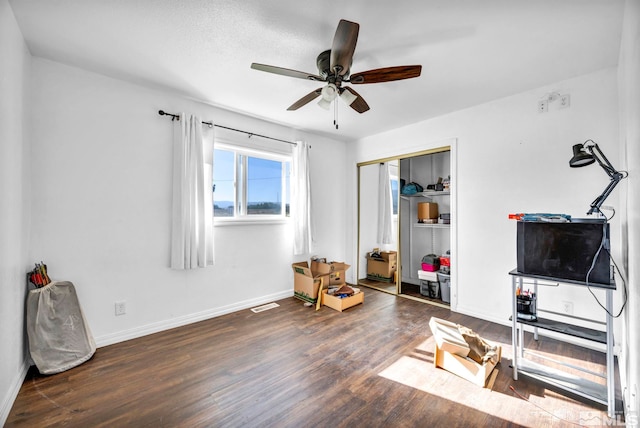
(348, 97)
(324, 103)
(329, 92)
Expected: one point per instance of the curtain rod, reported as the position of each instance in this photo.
(211, 124)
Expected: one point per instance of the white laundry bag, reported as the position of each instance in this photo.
(59, 336)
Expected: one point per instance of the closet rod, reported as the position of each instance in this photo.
(210, 124)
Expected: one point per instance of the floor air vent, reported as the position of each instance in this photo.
(264, 307)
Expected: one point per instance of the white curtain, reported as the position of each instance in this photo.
(385, 206)
(192, 222)
(301, 199)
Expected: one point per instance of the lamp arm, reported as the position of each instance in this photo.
(594, 150)
(602, 160)
(597, 202)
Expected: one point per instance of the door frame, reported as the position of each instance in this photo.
(451, 146)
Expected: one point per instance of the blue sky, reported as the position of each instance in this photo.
(264, 179)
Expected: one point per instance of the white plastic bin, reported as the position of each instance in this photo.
(445, 287)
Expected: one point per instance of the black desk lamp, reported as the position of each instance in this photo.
(587, 153)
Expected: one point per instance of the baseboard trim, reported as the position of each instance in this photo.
(473, 313)
(13, 392)
(121, 336)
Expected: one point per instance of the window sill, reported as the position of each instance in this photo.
(217, 222)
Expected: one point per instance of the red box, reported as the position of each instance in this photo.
(429, 267)
(445, 261)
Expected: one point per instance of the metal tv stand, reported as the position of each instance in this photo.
(603, 394)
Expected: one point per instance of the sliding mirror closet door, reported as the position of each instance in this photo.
(378, 188)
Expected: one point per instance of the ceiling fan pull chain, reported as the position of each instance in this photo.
(335, 114)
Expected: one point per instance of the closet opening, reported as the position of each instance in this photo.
(406, 226)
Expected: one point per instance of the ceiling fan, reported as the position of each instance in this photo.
(334, 68)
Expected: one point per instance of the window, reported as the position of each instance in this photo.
(250, 184)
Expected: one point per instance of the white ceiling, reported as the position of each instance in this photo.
(471, 51)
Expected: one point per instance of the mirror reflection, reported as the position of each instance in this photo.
(378, 225)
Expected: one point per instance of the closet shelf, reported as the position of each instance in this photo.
(432, 225)
(428, 194)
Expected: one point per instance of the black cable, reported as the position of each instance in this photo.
(612, 215)
(593, 263)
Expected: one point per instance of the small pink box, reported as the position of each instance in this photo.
(430, 268)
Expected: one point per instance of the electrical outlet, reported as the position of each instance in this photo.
(567, 307)
(543, 106)
(121, 307)
(565, 100)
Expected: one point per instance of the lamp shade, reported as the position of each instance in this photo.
(324, 103)
(329, 93)
(348, 97)
(580, 157)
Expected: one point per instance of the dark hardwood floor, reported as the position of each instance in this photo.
(406, 289)
(369, 366)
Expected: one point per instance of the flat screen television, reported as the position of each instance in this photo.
(565, 250)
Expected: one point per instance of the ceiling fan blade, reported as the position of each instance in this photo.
(359, 105)
(344, 45)
(306, 99)
(286, 72)
(387, 74)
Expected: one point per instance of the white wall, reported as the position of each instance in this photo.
(14, 206)
(509, 158)
(101, 168)
(629, 90)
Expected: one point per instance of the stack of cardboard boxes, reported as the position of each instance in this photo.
(312, 282)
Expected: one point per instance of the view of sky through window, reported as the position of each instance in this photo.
(264, 187)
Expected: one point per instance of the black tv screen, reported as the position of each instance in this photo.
(565, 250)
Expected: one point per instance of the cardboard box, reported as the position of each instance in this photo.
(334, 272)
(306, 282)
(382, 270)
(389, 256)
(341, 304)
(452, 350)
(321, 268)
(337, 277)
(427, 210)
